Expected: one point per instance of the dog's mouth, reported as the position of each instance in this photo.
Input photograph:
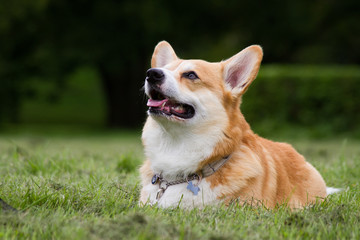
(160, 104)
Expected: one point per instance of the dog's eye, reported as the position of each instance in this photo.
(190, 75)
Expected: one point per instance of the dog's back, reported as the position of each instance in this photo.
(270, 173)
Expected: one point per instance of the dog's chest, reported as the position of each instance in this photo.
(180, 195)
(179, 152)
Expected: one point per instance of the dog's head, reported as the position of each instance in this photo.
(193, 91)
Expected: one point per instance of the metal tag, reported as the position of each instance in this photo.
(155, 179)
(193, 188)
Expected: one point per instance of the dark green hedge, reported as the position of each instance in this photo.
(309, 96)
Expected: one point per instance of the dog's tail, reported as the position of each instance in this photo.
(331, 190)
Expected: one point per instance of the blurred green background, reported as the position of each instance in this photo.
(73, 64)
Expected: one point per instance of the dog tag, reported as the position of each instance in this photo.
(155, 179)
(195, 189)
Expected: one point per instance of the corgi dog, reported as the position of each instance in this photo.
(199, 148)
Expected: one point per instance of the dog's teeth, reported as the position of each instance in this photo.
(162, 106)
(178, 108)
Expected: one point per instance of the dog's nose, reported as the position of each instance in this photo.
(155, 75)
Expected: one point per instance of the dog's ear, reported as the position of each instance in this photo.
(163, 54)
(241, 69)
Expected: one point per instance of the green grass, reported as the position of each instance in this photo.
(86, 186)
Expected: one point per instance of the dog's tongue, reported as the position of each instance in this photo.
(156, 103)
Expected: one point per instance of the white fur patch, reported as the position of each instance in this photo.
(179, 195)
(331, 190)
(175, 151)
(185, 67)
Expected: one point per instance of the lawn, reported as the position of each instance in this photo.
(86, 186)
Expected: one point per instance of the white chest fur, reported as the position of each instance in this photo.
(175, 154)
(179, 195)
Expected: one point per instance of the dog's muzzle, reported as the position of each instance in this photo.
(159, 102)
